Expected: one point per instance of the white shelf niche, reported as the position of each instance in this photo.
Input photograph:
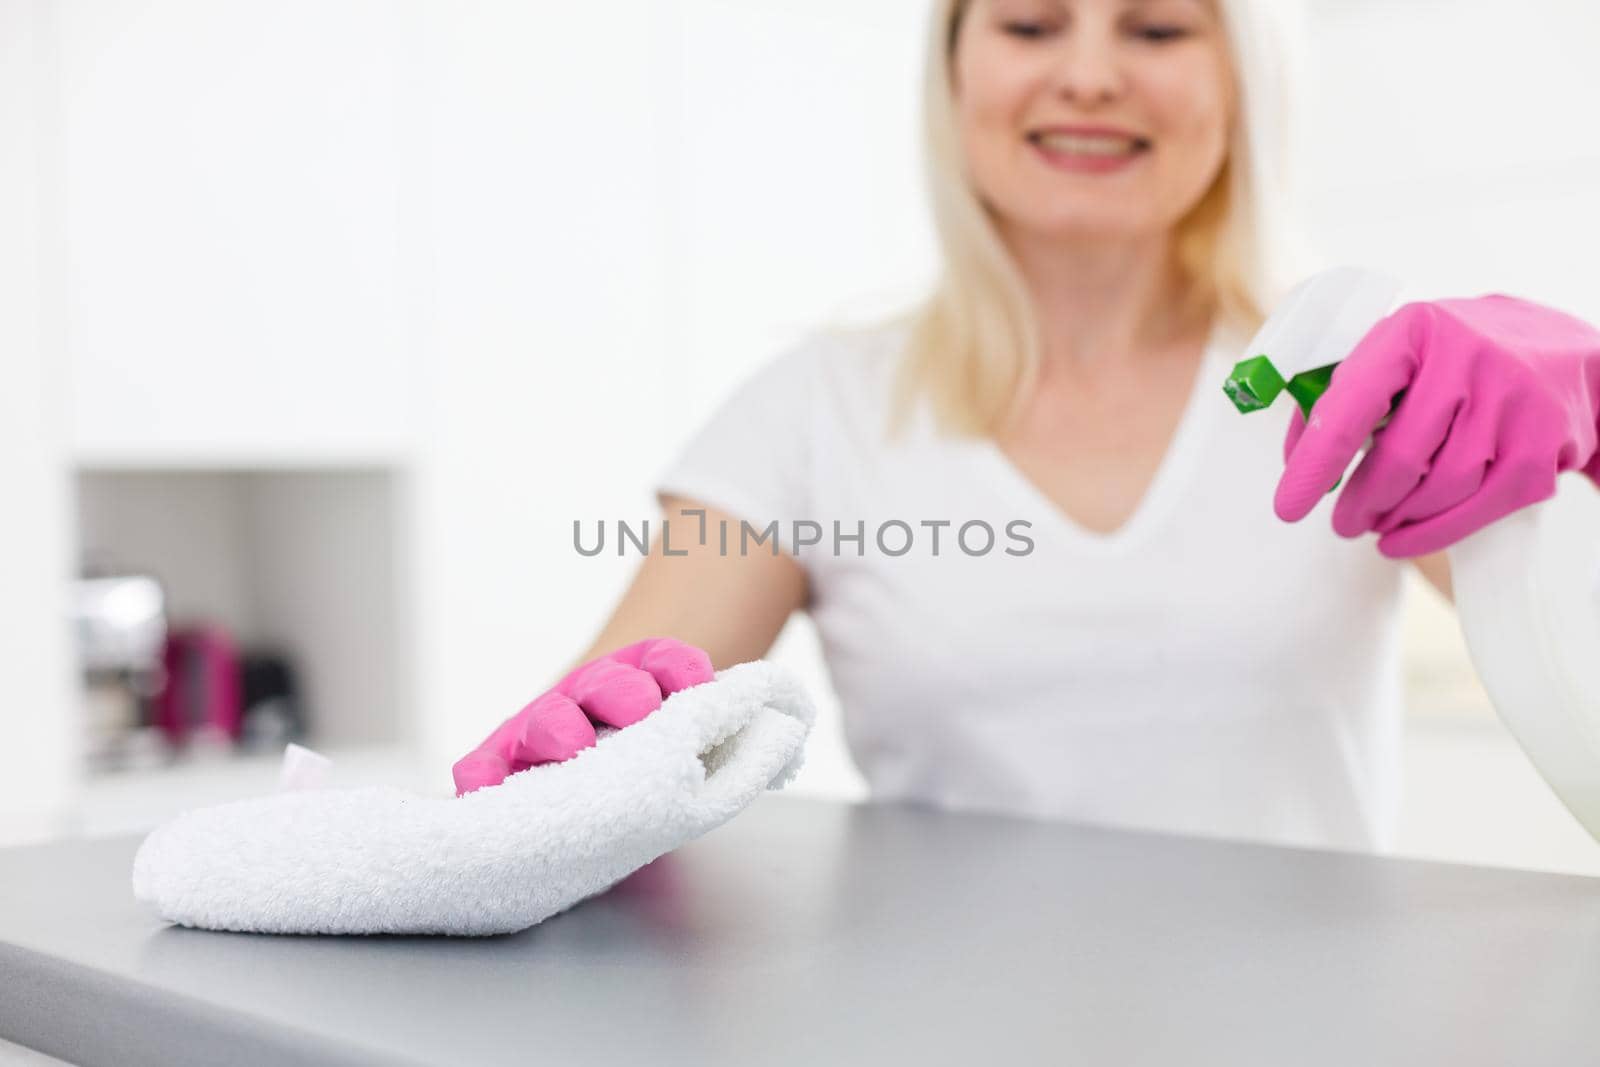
(306, 562)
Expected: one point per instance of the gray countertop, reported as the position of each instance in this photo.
(810, 932)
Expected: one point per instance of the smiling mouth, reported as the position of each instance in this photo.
(1099, 146)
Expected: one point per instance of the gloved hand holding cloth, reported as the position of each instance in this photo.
(617, 690)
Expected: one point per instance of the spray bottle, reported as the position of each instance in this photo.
(1527, 588)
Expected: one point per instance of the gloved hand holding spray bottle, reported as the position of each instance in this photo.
(1479, 420)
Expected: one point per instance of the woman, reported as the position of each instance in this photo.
(1146, 644)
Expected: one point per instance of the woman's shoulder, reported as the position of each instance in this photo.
(831, 378)
(849, 369)
(855, 375)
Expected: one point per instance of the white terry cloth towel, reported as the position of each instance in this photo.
(386, 860)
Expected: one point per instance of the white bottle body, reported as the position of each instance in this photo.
(1527, 592)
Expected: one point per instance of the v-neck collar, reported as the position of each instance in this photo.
(1174, 470)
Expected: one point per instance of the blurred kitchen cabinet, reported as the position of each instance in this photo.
(231, 190)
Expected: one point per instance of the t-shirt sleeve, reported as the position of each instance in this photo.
(752, 457)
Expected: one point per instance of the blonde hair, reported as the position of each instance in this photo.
(973, 346)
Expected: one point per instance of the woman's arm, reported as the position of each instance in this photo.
(732, 605)
(1436, 568)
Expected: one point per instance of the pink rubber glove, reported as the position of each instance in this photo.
(1501, 395)
(617, 689)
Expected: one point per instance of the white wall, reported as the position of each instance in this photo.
(797, 183)
(234, 175)
(1454, 142)
(40, 747)
(548, 289)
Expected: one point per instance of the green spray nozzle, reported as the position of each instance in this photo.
(1313, 328)
(1255, 383)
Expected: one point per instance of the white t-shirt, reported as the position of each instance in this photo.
(1205, 669)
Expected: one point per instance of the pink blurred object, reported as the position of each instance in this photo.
(1501, 396)
(617, 689)
(202, 688)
